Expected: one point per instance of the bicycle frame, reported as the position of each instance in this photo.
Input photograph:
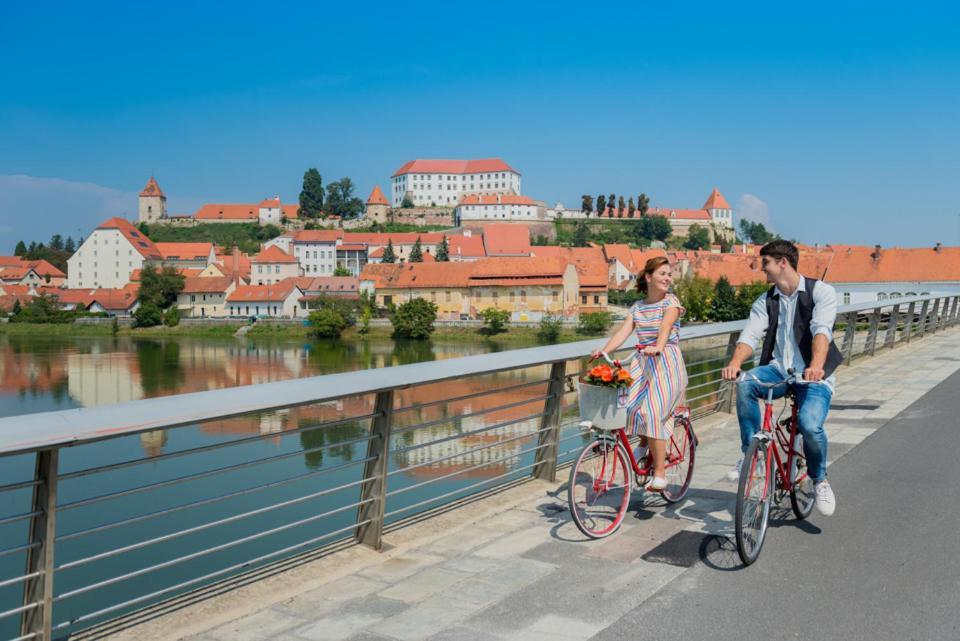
(781, 442)
(673, 455)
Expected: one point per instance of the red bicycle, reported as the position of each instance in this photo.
(599, 489)
(773, 466)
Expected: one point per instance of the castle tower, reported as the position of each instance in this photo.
(153, 204)
(377, 206)
(719, 209)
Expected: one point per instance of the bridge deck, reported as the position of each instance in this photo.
(512, 566)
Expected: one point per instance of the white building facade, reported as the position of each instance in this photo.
(441, 183)
(109, 254)
(498, 207)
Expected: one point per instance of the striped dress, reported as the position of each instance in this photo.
(659, 381)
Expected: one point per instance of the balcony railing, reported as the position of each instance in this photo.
(101, 531)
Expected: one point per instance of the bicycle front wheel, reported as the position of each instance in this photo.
(681, 450)
(754, 498)
(599, 489)
(802, 494)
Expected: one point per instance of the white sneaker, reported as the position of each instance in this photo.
(734, 474)
(826, 502)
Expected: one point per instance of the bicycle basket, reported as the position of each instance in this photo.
(604, 407)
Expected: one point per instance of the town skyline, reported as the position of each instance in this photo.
(848, 141)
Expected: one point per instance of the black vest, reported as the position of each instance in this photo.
(801, 329)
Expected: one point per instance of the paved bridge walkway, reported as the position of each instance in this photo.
(512, 566)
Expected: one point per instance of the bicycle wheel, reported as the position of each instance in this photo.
(681, 452)
(599, 489)
(754, 497)
(802, 493)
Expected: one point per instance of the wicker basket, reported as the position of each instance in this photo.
(604, 407)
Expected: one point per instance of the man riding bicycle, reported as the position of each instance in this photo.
(797, 315)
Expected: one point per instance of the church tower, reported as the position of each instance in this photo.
(377, 206)
(153, 204)
(721, 214)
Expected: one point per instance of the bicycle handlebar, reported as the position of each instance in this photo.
(792, 377)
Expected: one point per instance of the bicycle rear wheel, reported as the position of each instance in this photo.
(754, 497)
(802, 494)
(681, 452)
(598, 492)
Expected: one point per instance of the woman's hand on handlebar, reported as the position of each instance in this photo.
(651, 350)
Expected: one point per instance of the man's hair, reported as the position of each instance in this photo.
(777, 249)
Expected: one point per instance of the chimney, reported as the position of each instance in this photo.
(938, 248)
(876, 254)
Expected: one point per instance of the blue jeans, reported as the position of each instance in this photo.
(813, 401)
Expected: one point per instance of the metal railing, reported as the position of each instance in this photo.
(100, 533)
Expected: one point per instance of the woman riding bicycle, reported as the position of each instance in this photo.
(660, 375)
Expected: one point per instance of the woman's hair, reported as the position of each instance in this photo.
(652, 265)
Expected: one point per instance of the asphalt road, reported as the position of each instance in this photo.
(886, 565)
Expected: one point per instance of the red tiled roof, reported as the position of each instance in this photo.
(716, 201)
(133, 235)
(482, 166)
(377, 197)
(328, 284)
(273, 254)
(152, 188)
(683, 214)
(865, 265)
(590, 262)
(506, 240)
(496, 199)
(241, 212)
(465, 246)
(43, 268)
(187, 272)
(16, 273)
(353, 247)
(317, 236)
(80, 297)
(209, 284)
(10, 261)
(185, 251)
(380, 273)
(20, 290)
(419, 275)
(277, 292)
(270, 203)
(119, 300)
(398, 238)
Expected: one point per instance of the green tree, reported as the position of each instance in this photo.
(171, 318)
(549, 330)
(631, 208)
(494, 320)
(695, 294)
(347, 309)
(21, 249)
(643, 204)
(340, 270)
(147, 314)
(601, 205)
(56, 242)
(443, 251)
(755, 233)
(340, 200)
(68, 246)
(160, 286)
(416, 254)
(407, 202)
(586, 204)
(366, 315)
(311, 195)
(697, 237)
(414, 319)
(581, 235)
(723, 307)
(655, 228)
(746, 295)
(389, 256)
(593, 323)
(327, 323)
(621, 207)
(612, 204)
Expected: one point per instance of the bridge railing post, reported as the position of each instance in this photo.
(871, 345)
(43, 528)
(956, 308)
(890, 340)
(908, 323)
(548, 442)
(849, 334)
(934, 321)
(728, 390)
(373, 494)
(924, 315)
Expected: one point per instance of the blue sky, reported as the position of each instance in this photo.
(834, 122)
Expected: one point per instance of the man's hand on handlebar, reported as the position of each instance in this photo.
(813, 374)
(730, 372)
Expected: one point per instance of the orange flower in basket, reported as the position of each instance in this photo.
(606, 376)
(596, 371)
(623, 375)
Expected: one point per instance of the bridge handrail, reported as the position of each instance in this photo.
(64, 428)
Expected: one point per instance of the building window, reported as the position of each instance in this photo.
(583, 300)
(846, 298)
(596, 300)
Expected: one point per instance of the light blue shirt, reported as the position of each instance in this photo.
(786, 350)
